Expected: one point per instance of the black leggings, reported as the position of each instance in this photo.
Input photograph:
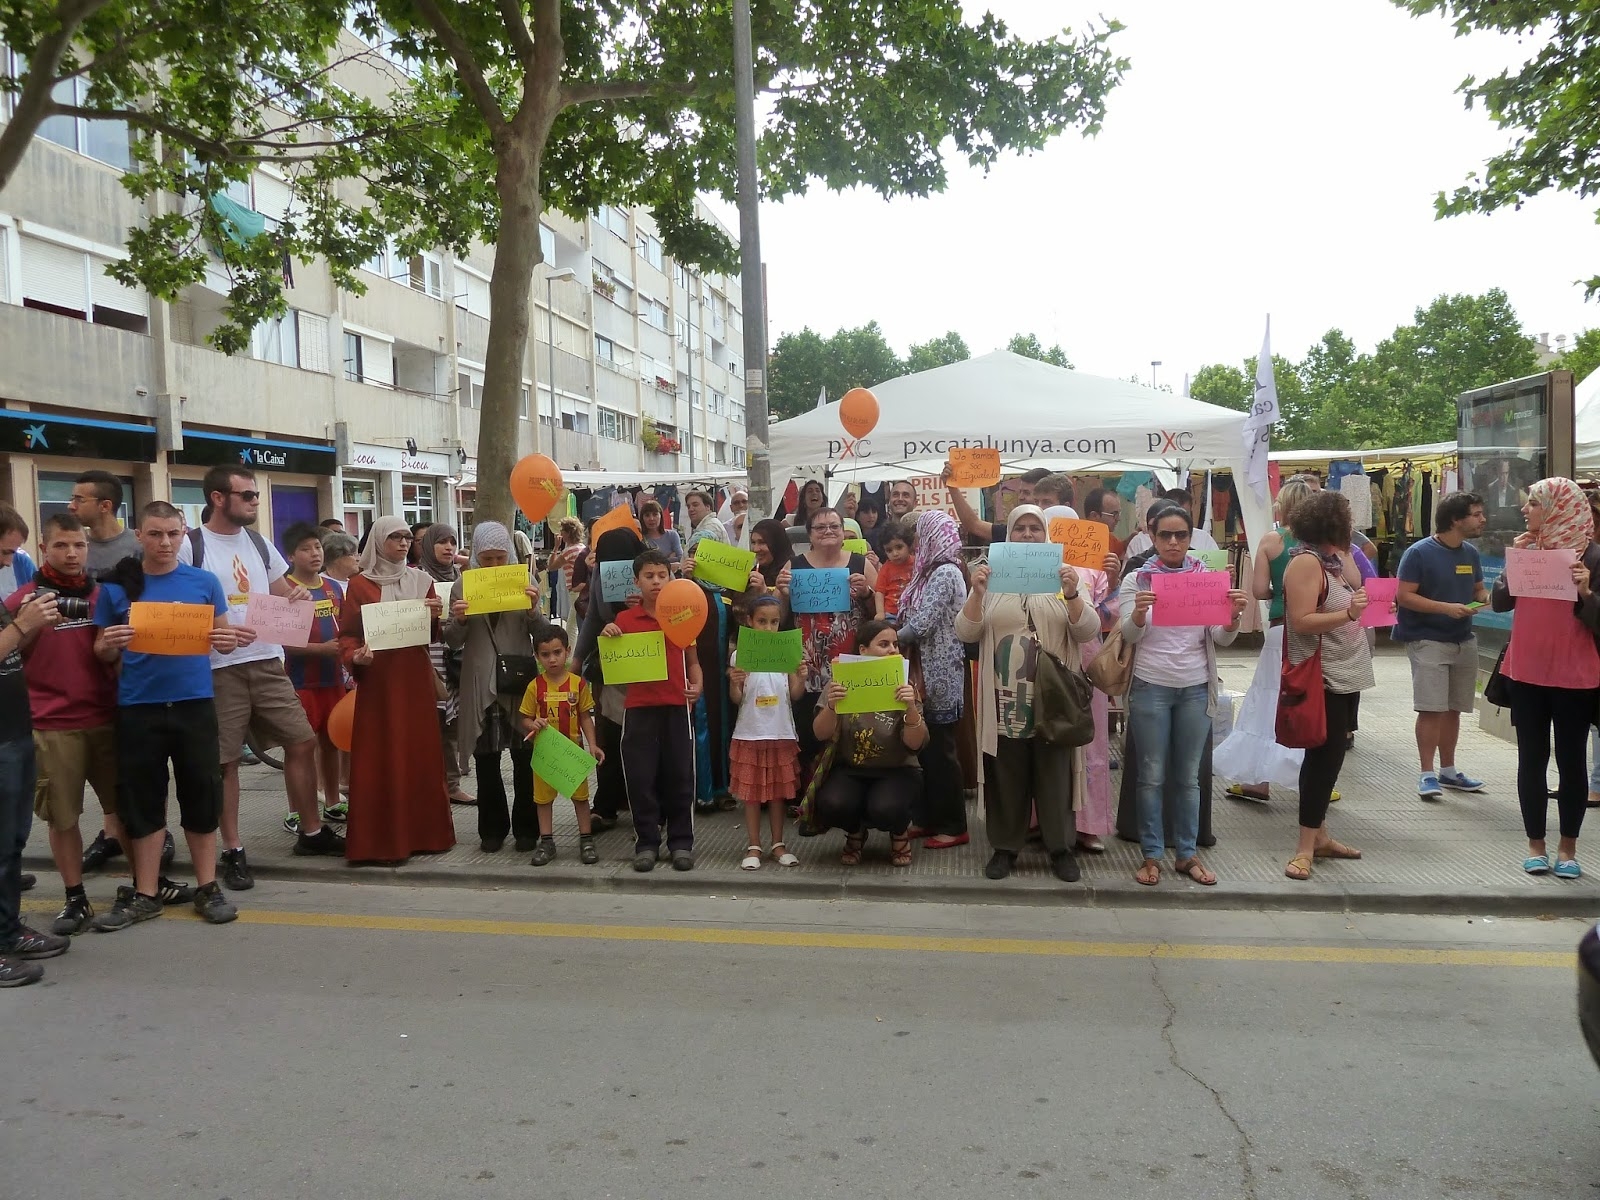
(856, 802)
(611, 788)
(1535, 709)
(1320, 770)
(943, 807)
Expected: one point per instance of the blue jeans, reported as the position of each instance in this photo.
(16, 822)
(1170, 728)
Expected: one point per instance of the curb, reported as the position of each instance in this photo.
(1556, 900)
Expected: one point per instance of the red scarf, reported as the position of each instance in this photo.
(66, 585)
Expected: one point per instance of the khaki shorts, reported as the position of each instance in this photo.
(258, 697)
(69, 758)
(1444, 676)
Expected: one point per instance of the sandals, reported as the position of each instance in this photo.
(1196, 871)
(1149, 873)
(751, 860)
(1333, 849)
(1239, 792)
(900, 851)
(853, 845)
(1298, 867)
(782, 856)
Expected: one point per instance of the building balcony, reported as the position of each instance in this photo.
(236, 392)
(68, 363)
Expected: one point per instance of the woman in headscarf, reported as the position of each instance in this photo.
(927, 621)
(1096, 815)
(1554, 671)
(611, 789)
(435, 555)
(1021, 772)
(487, 720)
(398, 804)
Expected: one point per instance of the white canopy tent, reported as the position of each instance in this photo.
(1035, 414)
(1586, 426)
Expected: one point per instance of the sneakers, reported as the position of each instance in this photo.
(212, 905)
(169, 851)
(1457, 781)
(101, 851)
(588, 855)
(644, 861)
(30, 944)
(1428, 787)
(683, 860)
(129, 909)
(291, 823)
(337, 813)
(15, 973)
(323, 841)
(545, 854)
(72, 918)
(1568, 868)
(235, 870)
(170, 891)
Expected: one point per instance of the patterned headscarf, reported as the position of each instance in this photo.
(1568, 520)
(938, 543)
(490, 535)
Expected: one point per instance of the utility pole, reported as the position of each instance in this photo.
(751, 291)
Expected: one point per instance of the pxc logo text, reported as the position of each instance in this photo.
(1162, 442)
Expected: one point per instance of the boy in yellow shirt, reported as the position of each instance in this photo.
(561, 699)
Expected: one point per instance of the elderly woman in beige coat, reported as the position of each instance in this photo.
(487, 722)
(1021, 772)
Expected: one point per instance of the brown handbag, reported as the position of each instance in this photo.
(1111, 669)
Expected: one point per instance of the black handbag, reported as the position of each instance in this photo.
(513, 673)
(1497, 691)
(1062, 698)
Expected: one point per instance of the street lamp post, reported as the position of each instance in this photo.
(1154, 363)
(550, 314)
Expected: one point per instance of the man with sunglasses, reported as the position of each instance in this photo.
(251, 687)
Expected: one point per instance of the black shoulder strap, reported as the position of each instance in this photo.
(197, 547)
(260, 544)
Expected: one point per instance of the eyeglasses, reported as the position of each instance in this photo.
(403, 538)
(1172, 535)
(247, 497)
(77, 499)
(827, 529)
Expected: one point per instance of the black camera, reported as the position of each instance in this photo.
(71, 608)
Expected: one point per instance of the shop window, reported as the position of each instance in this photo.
(416, 503)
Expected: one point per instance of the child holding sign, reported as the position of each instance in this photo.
(657, 734)
(562, 700)
(764, 758)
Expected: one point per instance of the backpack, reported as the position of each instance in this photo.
(197, 547)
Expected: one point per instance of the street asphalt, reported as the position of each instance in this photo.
(379, 1041)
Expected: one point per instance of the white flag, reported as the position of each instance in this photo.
(822, 397)
(1263, 415)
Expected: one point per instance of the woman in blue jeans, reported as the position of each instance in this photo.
(1171, 700)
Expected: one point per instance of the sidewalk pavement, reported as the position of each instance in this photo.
(1462, 855)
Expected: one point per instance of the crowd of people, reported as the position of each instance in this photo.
(994, 686)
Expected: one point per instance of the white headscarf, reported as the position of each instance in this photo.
(396, 580)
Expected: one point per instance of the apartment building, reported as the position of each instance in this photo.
(352, 406)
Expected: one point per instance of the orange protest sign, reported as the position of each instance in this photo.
(160, 628)
(974, 468)
(1083, 543)
(620, 517)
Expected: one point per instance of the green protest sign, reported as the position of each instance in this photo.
(870, 684)
(765, 650)
(722, 565)
(1215, 560)
(857, 546)
(633, 658)
(560, 761)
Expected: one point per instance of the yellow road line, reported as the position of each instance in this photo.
(810, 940)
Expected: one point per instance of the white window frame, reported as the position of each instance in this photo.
(474, 297)
(15, 66)
(614, 426)
(431, 271)
(649, 247)
(372, 345)
(268, 342)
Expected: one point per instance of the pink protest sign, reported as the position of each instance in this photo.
(280, 621)
(1379, 612)
(1546, 574)
(1192, 598)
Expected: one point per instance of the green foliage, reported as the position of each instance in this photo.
(806, 363)
(1028, 345)
(1223, 385)
(940, 352)
(1548, 102)
(1582, 358)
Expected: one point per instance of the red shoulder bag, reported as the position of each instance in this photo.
(1302, 707)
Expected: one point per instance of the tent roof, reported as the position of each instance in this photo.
(1387, 454)
(1034, 413)
(1586, 426)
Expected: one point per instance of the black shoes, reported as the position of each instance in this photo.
(587, 854)
(16, 973)
(1000, 864)
(323, 841)
(101, 851)
(601, 824)
(492, 845)
(28, 882)
(169, 851)
(235, 871)
(1064, 865)
(525, 844)
(212, 905)
(129, 909)
(546, 852)
(30, 944)
(170, 891)
(73, 916)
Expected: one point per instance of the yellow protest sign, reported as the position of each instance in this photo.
(160, 628)
(1083, 543)
(496, 589)
(870, 684)
(974, 468)
(722, 565)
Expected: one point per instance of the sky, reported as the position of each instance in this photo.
(1258, 158)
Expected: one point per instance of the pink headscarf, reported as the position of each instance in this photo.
(1568, 520)
(938, 542)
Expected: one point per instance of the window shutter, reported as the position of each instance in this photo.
(52, 274)
(377, 361)
(109, 293)
(477, 296)
(313, 331)
(272, 197)
(5, 254)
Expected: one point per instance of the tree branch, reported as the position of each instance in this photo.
(472, 77)
(517, 27)
(623, 89)
(33, 101)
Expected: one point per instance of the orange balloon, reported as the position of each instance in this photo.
(620, 517)
(858, 412)
(681, 609)
(536, 486)
(342, 722)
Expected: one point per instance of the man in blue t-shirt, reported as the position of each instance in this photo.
(1439, 578)
(164, 713)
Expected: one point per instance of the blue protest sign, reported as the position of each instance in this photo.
(820, 590)
(616, 582)
(1025, 568)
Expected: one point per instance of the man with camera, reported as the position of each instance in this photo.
(73, 696)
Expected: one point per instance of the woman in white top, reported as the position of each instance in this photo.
(1171, 700)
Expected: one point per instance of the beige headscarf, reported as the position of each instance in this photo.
(397, 581)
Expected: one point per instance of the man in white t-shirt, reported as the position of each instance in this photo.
(1200, 539)
(252, 690)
